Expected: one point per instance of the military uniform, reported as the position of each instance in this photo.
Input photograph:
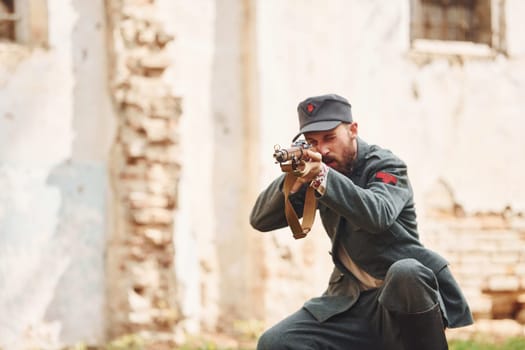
(371, 214)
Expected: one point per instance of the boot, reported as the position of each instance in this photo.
(423, 331)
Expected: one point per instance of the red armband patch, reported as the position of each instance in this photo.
(386, 178)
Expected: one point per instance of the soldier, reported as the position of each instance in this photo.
(386, 291)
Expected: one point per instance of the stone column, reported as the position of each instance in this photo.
(145, 171)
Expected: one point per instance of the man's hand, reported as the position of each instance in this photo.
(308, 170)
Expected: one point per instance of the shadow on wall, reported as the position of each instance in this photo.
(79, 237)
(51, 249)
(31, 260)
(83, 184)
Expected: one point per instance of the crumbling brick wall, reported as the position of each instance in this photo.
(485, 250)
(145, 172)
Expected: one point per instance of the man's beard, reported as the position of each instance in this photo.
(346, 166)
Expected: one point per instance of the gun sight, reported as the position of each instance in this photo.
(293, 154)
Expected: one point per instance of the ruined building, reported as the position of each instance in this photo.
(136, 134)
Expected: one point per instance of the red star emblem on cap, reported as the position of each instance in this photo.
(310, 108)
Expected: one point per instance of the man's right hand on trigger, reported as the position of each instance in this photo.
(308, 170)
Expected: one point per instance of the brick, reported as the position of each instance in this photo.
(503, 283)
(139, 200)
(152, 216)
(162, 154)
(507, 258)
(166, 107)
(157, 129)
(154, 65)
(158, 237)
(520, 316)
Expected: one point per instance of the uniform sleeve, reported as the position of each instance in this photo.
(376, 206)
(268, 212)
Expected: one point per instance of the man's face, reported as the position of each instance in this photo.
(337, 146)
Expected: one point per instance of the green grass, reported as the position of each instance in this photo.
(480, 344)
(475, 344)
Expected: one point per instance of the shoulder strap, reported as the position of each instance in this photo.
(299, 230)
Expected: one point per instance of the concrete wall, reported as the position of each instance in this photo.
(454, 120)
(217, 263)
(190, 76)
(240, 67)
(435, 114)
(55, 129)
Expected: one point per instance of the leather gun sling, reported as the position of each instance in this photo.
(299, 230)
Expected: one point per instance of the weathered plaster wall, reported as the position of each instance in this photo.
(445, 116)
(435, 114)
(55, 129)
(454, 120)
(190, 75)
(219, 263)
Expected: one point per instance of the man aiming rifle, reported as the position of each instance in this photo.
(386, 291)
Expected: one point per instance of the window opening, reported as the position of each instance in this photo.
(452, 20)
(8, 20)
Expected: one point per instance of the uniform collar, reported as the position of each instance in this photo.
(362, 150)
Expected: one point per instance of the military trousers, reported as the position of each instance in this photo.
(370, 324)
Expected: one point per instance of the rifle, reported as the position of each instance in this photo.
(292, 162)
(291, 159)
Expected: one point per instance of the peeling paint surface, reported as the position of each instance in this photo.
(457, 121)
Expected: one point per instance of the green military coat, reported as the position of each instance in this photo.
(372, 214)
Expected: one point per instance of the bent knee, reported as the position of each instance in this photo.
(409, 272)
(409, 287)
